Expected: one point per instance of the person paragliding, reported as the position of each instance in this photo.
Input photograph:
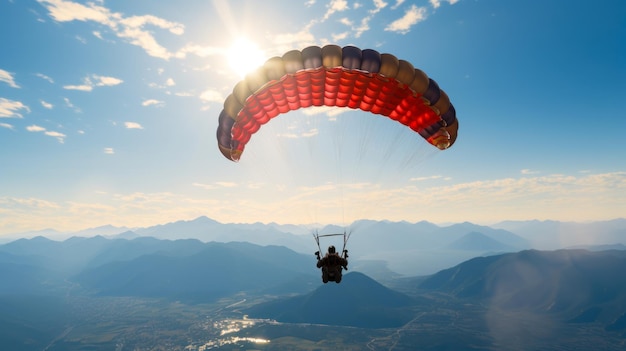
(332, 264)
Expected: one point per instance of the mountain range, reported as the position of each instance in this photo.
(384, 248)
(575, 289)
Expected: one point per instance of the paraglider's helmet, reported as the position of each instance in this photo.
(331, 249)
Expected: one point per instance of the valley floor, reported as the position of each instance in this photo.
(124, 324)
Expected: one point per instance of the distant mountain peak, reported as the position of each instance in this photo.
(476, 241)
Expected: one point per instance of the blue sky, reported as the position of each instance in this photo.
(108, 112)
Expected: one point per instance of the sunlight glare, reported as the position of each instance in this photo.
(244, 56)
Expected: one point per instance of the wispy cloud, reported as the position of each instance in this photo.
(420, 179)
(7, 77)
(301, 134)
(226, 184)
(7, 126)
(69, 104)
(397, 4)
(94, 80)
(45, 77)
(39, 129)
(47, 105)
(133, 29)
(411, 17)
(480, 201)
(109, 150)
(11, 108)
(204, 186)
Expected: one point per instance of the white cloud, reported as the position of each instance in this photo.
(8, 78)
(35, 128)
(83, 87)
(39, 129)
(378, 5)
(102, 81)
(436, 3)
(335, 6)
(94, 80)
(211, 95)
(133, 28)
(132, 125)
(346, 21)
(528, 171)
(46, 104)
(151, 102)
(411, 17)
(301, 38)
(109, 150)
(7, 126)
(11, 108)
(59, 136)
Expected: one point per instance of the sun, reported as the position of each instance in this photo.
(244, 56)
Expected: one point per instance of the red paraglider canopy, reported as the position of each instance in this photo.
(342, 77)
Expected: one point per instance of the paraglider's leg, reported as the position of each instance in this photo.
(324, 275)
(338, 277)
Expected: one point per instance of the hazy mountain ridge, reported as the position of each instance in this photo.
(475, 241)
(518, 234)
(404, 248)
(577, 284)
(554, 234)
(185, 268)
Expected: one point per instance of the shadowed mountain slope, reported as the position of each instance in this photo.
(358, 301)
(216, 271)
(578, 285)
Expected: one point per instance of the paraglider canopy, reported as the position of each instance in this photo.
(345, 77)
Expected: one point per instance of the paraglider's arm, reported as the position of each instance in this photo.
(321, 263)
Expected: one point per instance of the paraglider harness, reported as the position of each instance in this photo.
(332, 273)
